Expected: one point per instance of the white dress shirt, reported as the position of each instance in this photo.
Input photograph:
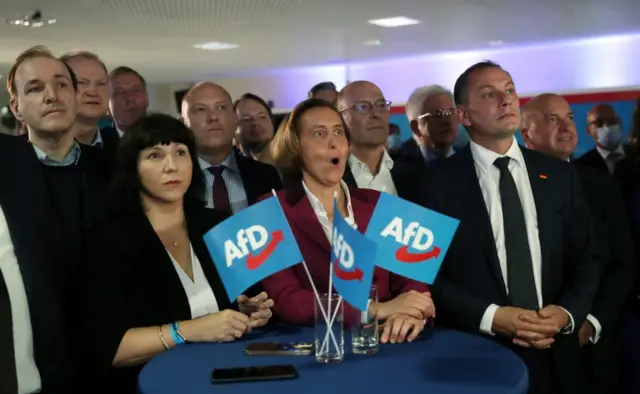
(28, 375)
(489, 180)
(321, 213)
(202, 301)
(382, 181)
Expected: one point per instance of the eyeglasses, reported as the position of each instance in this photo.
(441, 113)
(365, 107)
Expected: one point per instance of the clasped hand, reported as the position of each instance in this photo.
(529, 328)
(258, 308)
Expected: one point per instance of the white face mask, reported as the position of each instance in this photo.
(394, 141)
(609, 137)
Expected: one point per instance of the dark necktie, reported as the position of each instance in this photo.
(522, 287)
(220, 192)
(8, 378)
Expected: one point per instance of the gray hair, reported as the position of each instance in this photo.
(417, 98)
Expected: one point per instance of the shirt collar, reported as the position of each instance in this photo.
(386, 161)
(484, 158)
(97, 140)
(71, 159)
(317, 205)
(229, 162)
(605, 153)
(429, 154)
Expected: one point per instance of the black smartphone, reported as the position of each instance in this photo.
(279, 349)
(253, 374)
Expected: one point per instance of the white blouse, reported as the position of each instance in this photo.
(321, 213)
(201, 298)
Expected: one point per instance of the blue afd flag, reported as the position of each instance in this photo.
(252, 245)
(353, 257)
(412, 240)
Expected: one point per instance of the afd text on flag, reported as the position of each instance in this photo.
(252, 245)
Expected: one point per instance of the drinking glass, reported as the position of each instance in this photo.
(329, 338)
(364, 334)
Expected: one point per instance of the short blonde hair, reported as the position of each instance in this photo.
(285, 146)
(86, 55)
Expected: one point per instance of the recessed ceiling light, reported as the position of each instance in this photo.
(372, 43)
(394, 21)
(216, 46)
(496, 43)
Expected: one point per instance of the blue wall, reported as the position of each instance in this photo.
(585, 142)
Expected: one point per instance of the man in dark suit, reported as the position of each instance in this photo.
(522, 268)
(610, 154)
(548, 127)
(93, 103)
(55, 196)
(432, 117)
(365, 110)
(233, 181)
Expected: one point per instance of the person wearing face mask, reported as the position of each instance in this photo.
(394, 140)
(313, 147)
(609, 154)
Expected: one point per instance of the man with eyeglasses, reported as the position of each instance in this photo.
(365, 110)
(432, 117)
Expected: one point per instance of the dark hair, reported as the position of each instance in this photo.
(285, 146)
(122, 70)
(322, 86)
(257, 99)
(148, 131)
(461, 88)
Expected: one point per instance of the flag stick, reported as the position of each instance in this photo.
(315, 290)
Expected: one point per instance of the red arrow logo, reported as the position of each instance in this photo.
(403, 255)
(356, 274)
(255, 261)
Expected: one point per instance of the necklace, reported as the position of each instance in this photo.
(175, 244)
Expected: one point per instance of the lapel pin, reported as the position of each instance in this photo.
(542, 176)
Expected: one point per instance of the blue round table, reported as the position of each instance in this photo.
(441, 361)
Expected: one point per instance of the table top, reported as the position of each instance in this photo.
(440, 361)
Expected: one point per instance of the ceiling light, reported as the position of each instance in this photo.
(216, 46)
(394, 21)
(372, 43)
(496, 43)
(32, 20)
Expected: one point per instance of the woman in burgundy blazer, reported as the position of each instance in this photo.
(313, 147)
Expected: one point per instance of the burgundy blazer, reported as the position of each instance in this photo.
(290, 289)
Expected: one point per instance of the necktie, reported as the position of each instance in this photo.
(522, 287)
(8, 380)
(220, 192)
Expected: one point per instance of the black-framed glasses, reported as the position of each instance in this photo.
(365, 107)
(438, 114)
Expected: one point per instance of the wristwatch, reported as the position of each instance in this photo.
(567, 329)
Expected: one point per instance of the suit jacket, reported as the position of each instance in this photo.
(617, 279)
(44, 254)
(132, 283)
(403, 174)
(470, 278)
(623, 172)
(258, 178)
(110, 141)
(291, 290)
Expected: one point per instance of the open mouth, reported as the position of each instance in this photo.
(335, 161)
(92, 103)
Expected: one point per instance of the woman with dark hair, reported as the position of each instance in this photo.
(311, 149)
(148, 282)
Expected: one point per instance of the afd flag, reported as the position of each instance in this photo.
(252, 245)
(412, 240)
(353, 257)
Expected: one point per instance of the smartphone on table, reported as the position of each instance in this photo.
(279, 349)
(253, 374)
